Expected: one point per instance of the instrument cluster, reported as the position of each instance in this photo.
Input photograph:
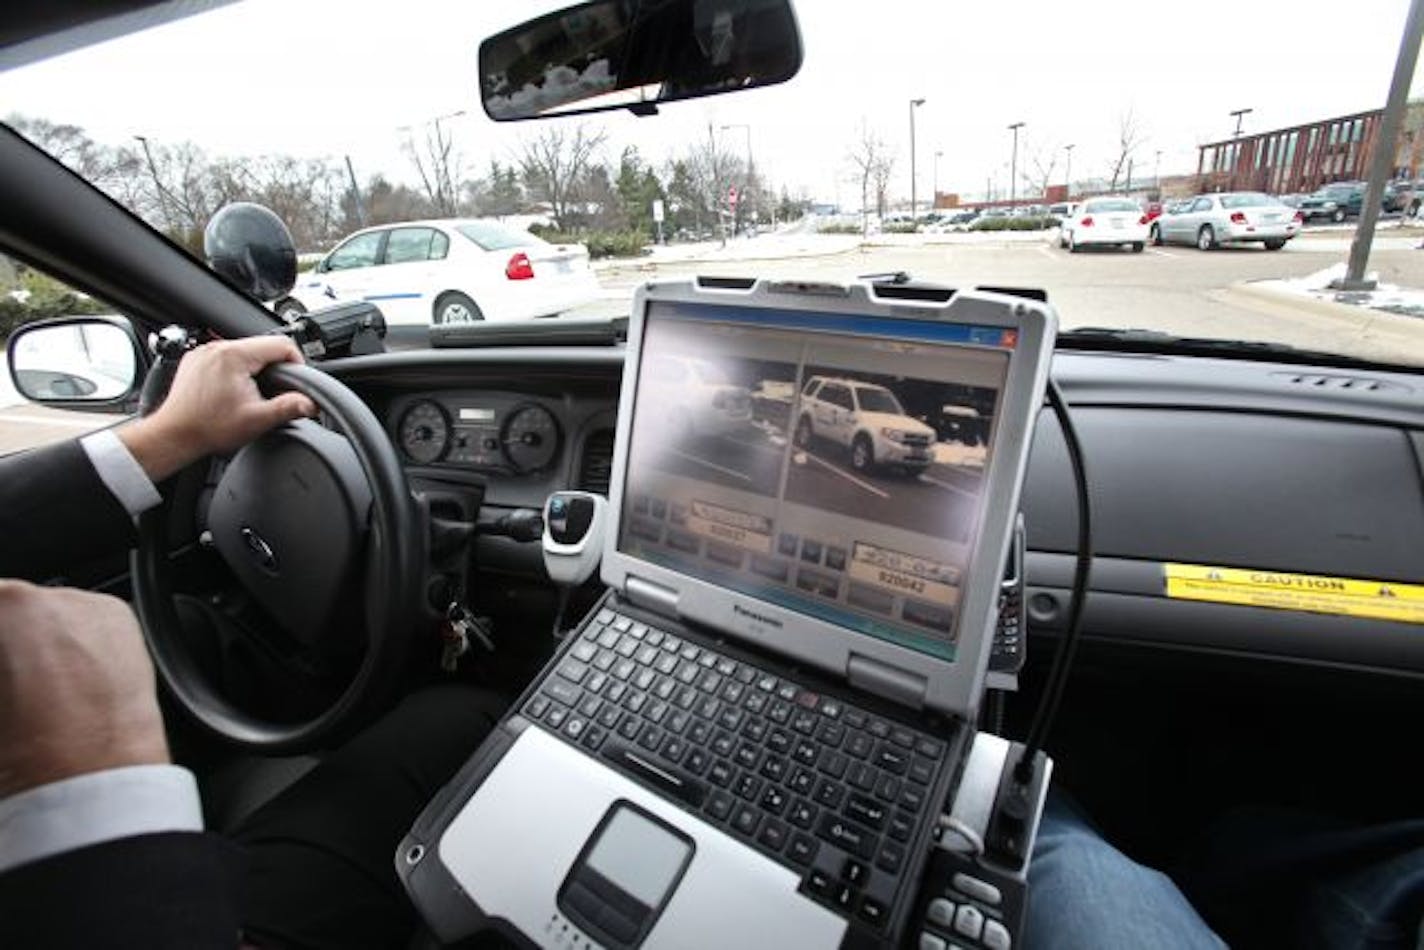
(495, 432)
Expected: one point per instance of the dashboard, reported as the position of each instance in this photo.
(510, 426)
(1235, 463)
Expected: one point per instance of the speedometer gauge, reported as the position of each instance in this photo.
(424, 432)
(530, 438)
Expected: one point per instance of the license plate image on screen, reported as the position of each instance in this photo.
(831, 464)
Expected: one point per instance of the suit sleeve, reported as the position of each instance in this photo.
(56, 513)
(159, 891)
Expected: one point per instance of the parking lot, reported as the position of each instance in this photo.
(1177, 290)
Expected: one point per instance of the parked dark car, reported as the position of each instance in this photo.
(1336, 201)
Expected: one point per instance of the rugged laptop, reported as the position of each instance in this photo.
(748, 742)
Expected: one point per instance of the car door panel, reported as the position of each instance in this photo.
(405, 291)
(349, 271)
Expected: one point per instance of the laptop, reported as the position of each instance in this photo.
(748, 741)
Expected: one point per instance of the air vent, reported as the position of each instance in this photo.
(1334, 381)
(596, 465)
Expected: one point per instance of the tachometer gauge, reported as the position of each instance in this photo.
(530, 438)
(424, 432)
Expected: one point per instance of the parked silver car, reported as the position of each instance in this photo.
(1234, 217)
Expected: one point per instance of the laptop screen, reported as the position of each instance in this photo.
(831, 464)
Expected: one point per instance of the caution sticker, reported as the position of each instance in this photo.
(1313, 593)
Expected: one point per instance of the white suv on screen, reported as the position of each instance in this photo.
(868, 420)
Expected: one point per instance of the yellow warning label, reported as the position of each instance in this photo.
(1345, 596)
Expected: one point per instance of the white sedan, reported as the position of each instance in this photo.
(1104, 221)
(451, 271)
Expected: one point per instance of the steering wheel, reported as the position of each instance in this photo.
(303, 518)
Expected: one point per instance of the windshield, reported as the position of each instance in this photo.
(875, 399)
(884, 154)
(491, 236)
(1101, 206)
(1248, 201)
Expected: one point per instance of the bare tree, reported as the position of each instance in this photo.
(440, 166)
(873, 161)
(1130, 137)
(553, 163)
(1038, 173)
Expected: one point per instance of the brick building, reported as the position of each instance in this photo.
(1304, 157)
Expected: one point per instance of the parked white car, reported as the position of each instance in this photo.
(449, 271)
(696, 398)
(1104, 221)
(865, 418)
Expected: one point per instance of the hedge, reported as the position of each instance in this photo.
(1014, 224)
(599, 243)
(44, 297)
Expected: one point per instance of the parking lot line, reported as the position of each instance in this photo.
(848, 476)
(1153, 250)
(1043, 249)
(947, 486)
(721, 468)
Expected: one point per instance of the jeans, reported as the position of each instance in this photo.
(1083, 892)
(1264, 878)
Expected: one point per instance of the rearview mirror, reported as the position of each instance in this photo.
(77, 363)
(634, 54)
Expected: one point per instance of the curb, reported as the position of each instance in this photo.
(1325, 308)
(642, 263)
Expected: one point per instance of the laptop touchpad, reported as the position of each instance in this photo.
(625, 875)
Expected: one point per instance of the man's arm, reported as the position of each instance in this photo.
(76, 501)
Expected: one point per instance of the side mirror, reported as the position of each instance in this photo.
(611, 54)
(252, 249)
(91, 363)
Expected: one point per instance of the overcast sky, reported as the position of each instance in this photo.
(339, 77)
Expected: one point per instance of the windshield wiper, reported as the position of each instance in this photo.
(1155, 341)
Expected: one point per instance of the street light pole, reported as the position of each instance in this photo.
(1386, 142)
(717, 193)
(1157, 174)
(1236, 146)
(1014, 164)
(913, 196)
(934, 198)
(1068, 174)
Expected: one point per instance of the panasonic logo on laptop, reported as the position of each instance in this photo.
(741, 611)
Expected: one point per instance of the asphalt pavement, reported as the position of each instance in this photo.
(1177, 290)
(747, 462)
(822, 477)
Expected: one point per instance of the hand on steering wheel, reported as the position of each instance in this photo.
(303, 517)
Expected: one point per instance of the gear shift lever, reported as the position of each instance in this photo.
(573, 542)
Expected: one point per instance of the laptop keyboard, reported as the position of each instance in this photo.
(831, 791)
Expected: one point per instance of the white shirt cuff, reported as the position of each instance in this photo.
(94, 808)
(120, 472)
